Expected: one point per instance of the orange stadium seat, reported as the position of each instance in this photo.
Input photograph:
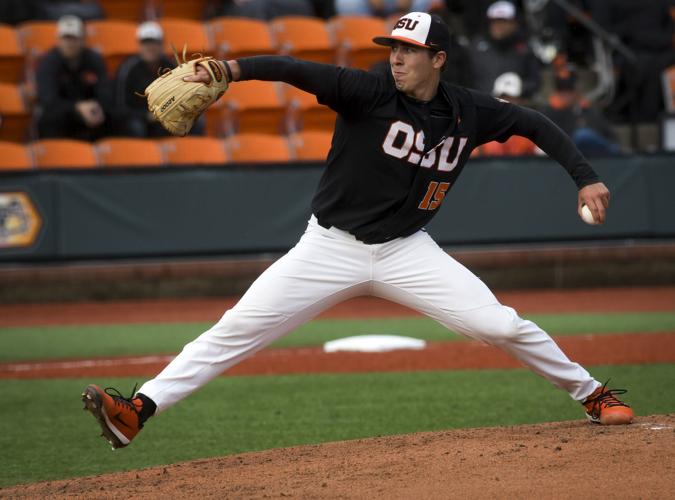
(115, 40)
(185, 31)
(126, 152)
(311, 145)
(180, 9)
(63, 153)
(11, 57)
(669, 88)
(354, 38)
(15, 116)
(14, 156)
(235, 37)
(305, 113)
(303, 37)
(248, 148)
(37, 37)
(194, 151)
(126, 10)
(515, 146)
(250, 106)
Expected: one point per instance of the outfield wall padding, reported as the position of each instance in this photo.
(130, 213)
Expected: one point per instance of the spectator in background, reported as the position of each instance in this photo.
(133, 76)
(508, 87)
(567, 108)
(472, 15)
(18, 11)
(504, 49)
(647, 28)
(70, 86)
(381, 8)
(266, 9)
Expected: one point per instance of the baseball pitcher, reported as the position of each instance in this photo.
(400, 142)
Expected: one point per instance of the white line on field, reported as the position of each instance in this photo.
(85, 363)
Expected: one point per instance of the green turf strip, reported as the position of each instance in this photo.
(111, 340)
(45, 434)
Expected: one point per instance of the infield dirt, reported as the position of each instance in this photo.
(556, 460)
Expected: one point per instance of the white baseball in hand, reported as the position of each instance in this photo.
(587, 216)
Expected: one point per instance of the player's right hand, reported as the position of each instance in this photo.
(596, 196)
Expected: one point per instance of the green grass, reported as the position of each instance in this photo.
(112, 340)
(45, 434)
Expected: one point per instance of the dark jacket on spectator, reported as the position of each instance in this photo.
(582, 115)
(647, 28)
(131, 110)
(60, 87)
(491, 58)
(644, 25)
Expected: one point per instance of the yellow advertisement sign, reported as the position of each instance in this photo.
(20, 221)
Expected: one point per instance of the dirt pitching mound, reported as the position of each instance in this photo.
(557, 460)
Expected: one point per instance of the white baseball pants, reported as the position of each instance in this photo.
(328, 266)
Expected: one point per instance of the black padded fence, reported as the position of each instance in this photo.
(132, 213)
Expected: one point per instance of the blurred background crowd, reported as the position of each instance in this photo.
(603, 70)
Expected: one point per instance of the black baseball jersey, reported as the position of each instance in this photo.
(393, 158)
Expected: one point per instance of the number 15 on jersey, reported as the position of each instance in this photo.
(434, 195)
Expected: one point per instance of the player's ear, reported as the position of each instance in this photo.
(438, 60)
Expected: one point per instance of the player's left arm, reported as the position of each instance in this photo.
(345, 90)
(498, 120)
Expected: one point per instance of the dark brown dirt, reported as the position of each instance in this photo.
(557, 460)
(167, 311)
(587, 350)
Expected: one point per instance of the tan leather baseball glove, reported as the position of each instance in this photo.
(176, 104)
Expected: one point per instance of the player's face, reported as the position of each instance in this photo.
(415, 70)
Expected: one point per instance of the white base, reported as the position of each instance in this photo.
(373, 343)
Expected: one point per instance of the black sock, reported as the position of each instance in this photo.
(148, 409)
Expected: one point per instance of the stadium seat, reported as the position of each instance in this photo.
(37, 37)
(180, 9)
(14, 156)
(669, 88)
(515, 146)
(251, 148)
(115, 40)
(15, 116)
(185, 31)
(63, 153)
(250, 106)
(354, 39)
(235, 37)
(311, 145)
(11, 57)
(305, 113)
(303, 37)
(194, 151)
(128, 152)
(125, 10)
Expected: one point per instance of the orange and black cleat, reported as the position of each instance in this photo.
(119, 417)
(603, 407)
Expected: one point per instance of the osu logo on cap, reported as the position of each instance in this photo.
(407, 24)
